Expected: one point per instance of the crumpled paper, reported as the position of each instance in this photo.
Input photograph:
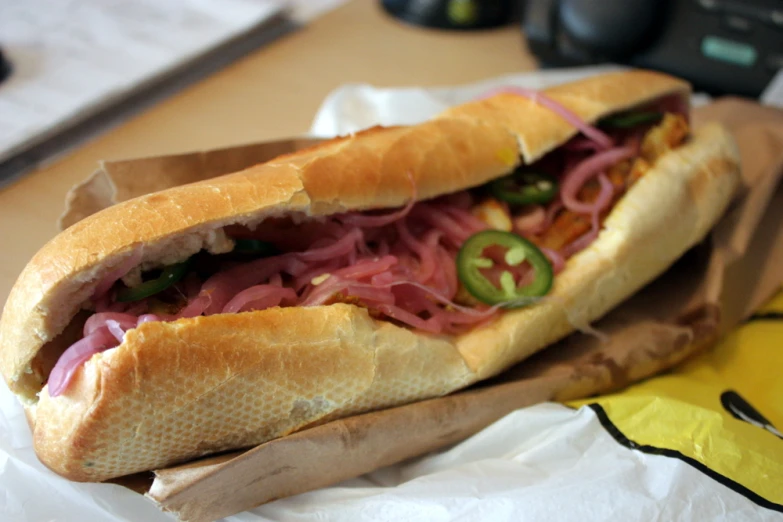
(540, 463)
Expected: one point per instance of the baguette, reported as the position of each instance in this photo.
(174, 391)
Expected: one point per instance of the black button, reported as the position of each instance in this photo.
(739, 24)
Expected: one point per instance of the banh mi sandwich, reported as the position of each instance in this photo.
(377, 269)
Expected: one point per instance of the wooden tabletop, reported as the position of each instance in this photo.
(271, 93)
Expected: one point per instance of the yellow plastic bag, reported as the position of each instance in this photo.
(721, 412)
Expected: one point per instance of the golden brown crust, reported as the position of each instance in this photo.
(205, 380)
(540, 130)
(177, 390)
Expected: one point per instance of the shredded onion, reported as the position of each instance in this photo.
(76, 355)
(370, 294)
(424, 250)
(314, 271)
(338, 248)
(195, 306)
(218, 290)
(465, 219)
(444, 299)
(576, 178)
(276, 280)
(99, 320)
(366, 268)
(395, 312)
(581, 144)
(584, 240)
(148, 318)
(259, 297)
(435, 217)
(116, 329)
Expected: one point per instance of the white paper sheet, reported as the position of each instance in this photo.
(72, 57)
(547, 462)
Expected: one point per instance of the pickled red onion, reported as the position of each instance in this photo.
(96, 321)
(551, 213)
(580, 144)
(276, 280)
(443, 299)
(424, 250)
(77, 354)
(340, 247)
(117, 330)
(395, 312)
(195, 306)
(584, 240)
(369, 293)
(218, 290)
(448, 266)
(366, 268)
(433, 216)
(465, 218)
(259, 297)
(317, 270)
(148, 318)
(573, 181)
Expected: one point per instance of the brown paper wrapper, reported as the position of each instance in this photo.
(712, 288)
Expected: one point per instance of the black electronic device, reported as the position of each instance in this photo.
(721, 46)
(453, 14)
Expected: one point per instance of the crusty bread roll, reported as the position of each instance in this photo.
(177, 390)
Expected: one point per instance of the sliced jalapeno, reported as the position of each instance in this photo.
(170, 275)
(471, 259)
(525, 188)
(629, 120)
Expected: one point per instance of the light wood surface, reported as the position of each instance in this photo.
(272, 93)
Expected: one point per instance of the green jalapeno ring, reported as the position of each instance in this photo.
(169, 276)
(631, 119)
(525, 188)
(470, 261)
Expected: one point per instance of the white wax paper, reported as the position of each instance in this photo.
(546, 462)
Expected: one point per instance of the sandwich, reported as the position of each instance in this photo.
(377, 269)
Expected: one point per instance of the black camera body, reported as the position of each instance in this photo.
(720, 46)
